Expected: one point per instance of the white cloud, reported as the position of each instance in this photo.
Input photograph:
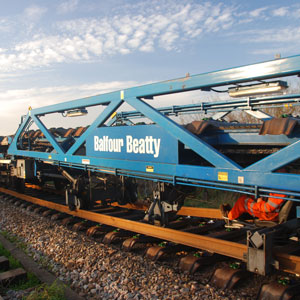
(273, 41)
(34, 12)
(281, 12)
(20, 99)
(134, 28)
(67, 6)
(88, 39)
(283, 35)
(257, 12)
(271, 52)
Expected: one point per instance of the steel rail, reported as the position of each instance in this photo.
(222, 247)
(210, 213)
(287, 262)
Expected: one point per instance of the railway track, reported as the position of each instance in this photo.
(203, 231)
(163, 246)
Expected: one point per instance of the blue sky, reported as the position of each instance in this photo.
(52, 51)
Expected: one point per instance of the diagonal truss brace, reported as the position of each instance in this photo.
(183, 135)
(112, 107)
(277, 159)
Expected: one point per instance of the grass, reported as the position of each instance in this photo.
(209, 198)
(13, 263)
(55, 291)
(15, 240)
(29, 282)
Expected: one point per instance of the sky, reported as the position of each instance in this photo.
(53, 51)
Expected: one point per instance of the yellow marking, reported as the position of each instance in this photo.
(149, 169)
(49, 157)
(122, 95)
(223, 176)
(241, 179)
(85, 161)
(113, 115)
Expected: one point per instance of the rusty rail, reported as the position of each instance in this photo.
(287, 262)
(210, 213)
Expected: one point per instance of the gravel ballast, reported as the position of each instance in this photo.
(98, 271)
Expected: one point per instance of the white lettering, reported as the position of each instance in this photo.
(147, 145)
(128, 143)
(141, 146)
(111, 145)
(96, 139)
(105, 144)
(156, 147)
(135, 146)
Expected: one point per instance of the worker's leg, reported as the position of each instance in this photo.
(241, 206)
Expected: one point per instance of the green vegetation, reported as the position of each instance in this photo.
(30, 281)
(13, 263)
(55, 291)
(209, 198)
(14, 239)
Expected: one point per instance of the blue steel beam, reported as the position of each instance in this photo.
(112, 107)
(271, 69)
(229, 105)
(266, 70)
(103, 99)
(199, 146)
(23, 125)
(192, 175)
(47, 134)
(278, 159)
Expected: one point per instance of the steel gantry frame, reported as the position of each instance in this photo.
(225, 174)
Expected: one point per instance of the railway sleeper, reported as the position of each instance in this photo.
(24, 205)
(116, 235)
(157, 252)
(4, 263)
(39, 209)
(18, 202)
(129, 244)
(98, 230)
(228, 277)
(204, 227)
(12, 276)
(58, 216)
(48, 213)
(31, 207)
(70, 221)
(82, 225)
(278, 291)
(193, 262)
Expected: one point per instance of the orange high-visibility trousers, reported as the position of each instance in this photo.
(264, 210)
